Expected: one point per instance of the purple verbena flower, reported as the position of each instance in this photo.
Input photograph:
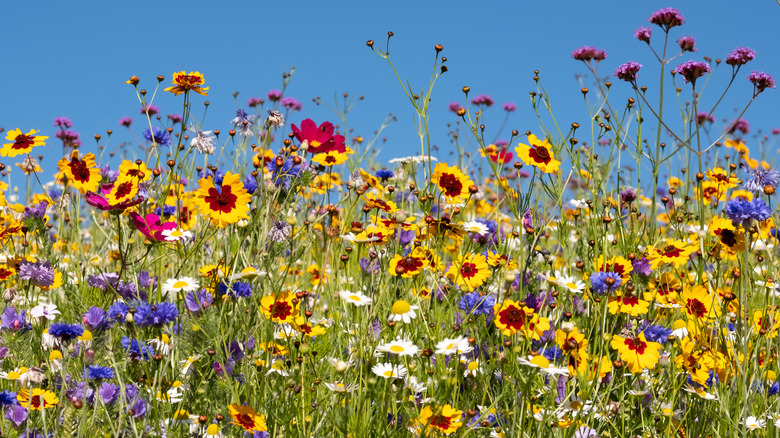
(291, 103)
(509, 107)
(62, 122)
(254, 101)
(740, 56)
(274, 95)
(628, 71)
(687, 43)
(482, 99)
(761, 81)
(692, 70)
(667, 18)
(643, 33)
(703, 116)
(589, 53)
(454, 107)
(126, 121)
(740, 125)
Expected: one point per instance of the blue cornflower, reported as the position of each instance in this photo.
(96, 372)
(137, 350)
(598, 281)
(773, 390)
(216, 176)
(476, 304)
(760, 178)
(552, 353)
(103, 281)
(156, 315)
(250, 184)
(281, 175)
(235, 289)
(8, 398)
(196, 303)
(384, 174)
(744, 211)
(118, 311)
(65, 331)
(158, 135)
(657, 333)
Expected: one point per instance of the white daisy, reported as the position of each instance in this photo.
(414, 385)
(476, 227)
(753, 423)
(472, 367)
(356, 298)
(579, 204)
(543, 364)
(399, 347)
(340, 387)
(571, 283)
(183, 284)
(176, 235)
(403, 311)
(185, 370)
(389, 371)
(414, 159)
(14, 374)
(459, 345)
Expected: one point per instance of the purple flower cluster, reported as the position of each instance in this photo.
(589, 53)
(274, 95)
(703, 116)
(687, 44)
(760, 178)
(643, 34)
(155, 315)
(692, 70)
(65, 331)
(69, 138)
(254, 101)
(761, 81)
(39, 273)
(126, 121)
(483, 99)
(667, 18)
(62, 122)
(509, 107)
(740, 125)
(454, 107)
(740, 56)
(628, 71)
(291, 103)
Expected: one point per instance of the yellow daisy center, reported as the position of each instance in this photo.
(400, 307)
(397, 349)
(180, 283)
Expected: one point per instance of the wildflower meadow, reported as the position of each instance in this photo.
(272, 277)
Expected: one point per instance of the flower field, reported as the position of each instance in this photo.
(275, 279)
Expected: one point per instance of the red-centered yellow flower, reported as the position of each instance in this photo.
(226, 206)
(445, 420)
(574, 345)
(37, 399)
(710, 192)
(183, 82)
(696, 361)
(676, 252)
(512, 318)
(469, 271)
(371, 180)
(637, 353)
(453, 183)
(663, 290)
(123, 190)
(766, 323)
(247, 418)
(6, 272)
(21, 143)
(375, 201)
(279, 308)
(408, 266)
(317, 276)
(538, 154)
(618, 265)
(81, 171)
(731, 238)
(495, 259)
(722, 177)
(628, 304)
(375, 235)
(742, 194)
(330, 158)
(699, 305)
(302, 325)
(138, 172)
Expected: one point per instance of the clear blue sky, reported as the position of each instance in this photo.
(72, 58)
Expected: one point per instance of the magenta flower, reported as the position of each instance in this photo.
(291, 103)
(687, 43)
(125, 121)
(643, 33)
(254, 101)
(692, 70)
(150, 109)
(151, 226)
(740, 125)
(509, 107)
(100, 202)
(454, 107)
(482, 99)
(628, 71)
(62, 122)
(740, 56)
(667, 18)
(761, 81)
(274, 95)
(588, 53)
(702, 117)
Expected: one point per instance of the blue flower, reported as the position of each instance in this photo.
(39, 273)
(118, 311)
(108, 392)
(598, 281)
(250, 184)
(197, 303)
(657, 333)
(742, 210)
(773, 390)
(476, 304)
(641, 266)
(65, 331)
(8, 398)
(158, 135)
(235, 289)
(96, 372)
(552, 353)
(14, 321)
(156, 315)
(96, 318)
(137, 350)
(384, 174)
(760, 178)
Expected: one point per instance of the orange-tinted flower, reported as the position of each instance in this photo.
(247, 418)
(675, 252)
(453, 183)
(21, 143)
(538, 154)
(183, 83)
(279, 308)
(410, 265)
(226, 206)
(469, 271)
(81, 171)
(446, 419)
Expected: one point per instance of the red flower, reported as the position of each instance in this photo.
(151, 226)
(320, 139)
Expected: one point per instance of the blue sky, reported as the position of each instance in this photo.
(72, 58)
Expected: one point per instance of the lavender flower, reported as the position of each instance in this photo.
(483, 99)
(509, 107)
(291, 103)
(761, 81)
(687, 44)
(744, 211)
(692, 70)
(274, 95)
(175, 118)
(96, 318)
(667, 18)
(158, 135)
(108, 392)
(11, 320)
(103, 281)
(280, 232)
(643, 33)
(125, 121)
(641, 266)
(628, 71)
(740, 56)
(254, 101)
(62, 122)
(156, 315)
(760, 178)
(39, 273)
(16, 414)
(589, 53)
(199, 302)
(454, 107)
(149, 110)
(741, 125)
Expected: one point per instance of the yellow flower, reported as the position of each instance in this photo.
(453, 183)
(470, 271)
(446, 419)
(279, 308)
(410, 265)
(21, 143)
(183, 83)
(637, 353)
(247, 418)
(81, 171)
(226, 206)
(699, 305)
(512, 318)
(628, 304)
(675, 252)
(722, 178)
(37, 399)
(538, 154)
(331, 158)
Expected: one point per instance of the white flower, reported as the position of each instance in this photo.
(753, 423)
(543, 364)
(579, 203)
(176, 235)
(185, 370)
(45, 311)
(248, 272)
(389, 371)
(476, 227)
(403, 311)
(340, 387)
(459, 345)
(414, 160)
(203, 141)
(414, 385)
(15, 374)
(184, 284)
(356, 298)
(472, 367)
(399, 347)
(174, 395)
(572, 283)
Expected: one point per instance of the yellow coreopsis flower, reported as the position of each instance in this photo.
(675, 252)
(453, 183)
(247, 418)
(183, 82)
(445, 420)
(637, 353)
(538, 154)
(469, 271)
(37, 399)
(81, 172)
(226, 206)
(21, 143)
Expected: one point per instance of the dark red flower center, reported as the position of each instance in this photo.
(409, 264)
(224, 202)
(727, 237)
(22, 141)
(451, 184)
(123, 189)
(512, 317)
(631, 300)
(540, 154)
(441, 421)
(696, 307)
(672, 251)
(246, 421)
(79, 169)
(636, 344)
(469, 270)
(35, 401)
(281, 310)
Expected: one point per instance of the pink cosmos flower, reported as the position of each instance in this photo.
(151, 226)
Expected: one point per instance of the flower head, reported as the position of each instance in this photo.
(628, 71)
(482, 99)
(21, 143)
(740, 56)
(692, 70)
(226, 205)
(760, 178)
(589, 53)
(744, 211)
(761, 81)
(156, 315)
(687, 43)
(39, 273)
(643, 33)
(453, 183)
(158, 135)
(539, 154)
(247, 418)
(667, 18)
(183, 83)
(65, 331)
